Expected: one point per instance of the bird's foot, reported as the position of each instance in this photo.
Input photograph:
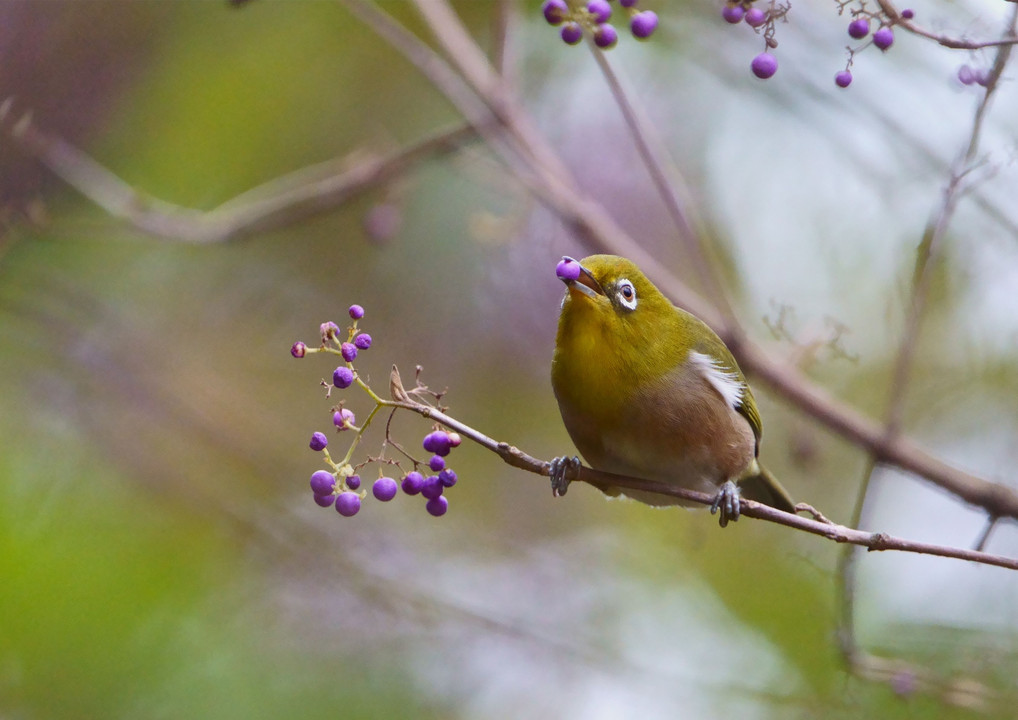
(561, 468)
(728, 502)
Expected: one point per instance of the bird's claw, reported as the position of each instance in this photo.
(728, 502)
(561, 469)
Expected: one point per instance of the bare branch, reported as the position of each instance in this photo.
(832, 531)
(947, 41)
(281, 202)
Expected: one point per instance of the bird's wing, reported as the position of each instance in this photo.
(720, 369)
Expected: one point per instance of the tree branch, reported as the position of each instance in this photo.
(515, 457)
(278, 203)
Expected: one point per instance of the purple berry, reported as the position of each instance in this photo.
(384, 489)
(447, 477)
(322, 483)
(755, 17)
(343, 418)
(600, 9)
(883, 38)
(555, 11)
(348, 503)
(432, 487)
(908, 13)
(438, 506)
(438, 443)
(966, 75)
(362, 341)
(982, 77)
(356, 312)
(348, 351)
(764, 65)
(318, 441)
(299, 349)
(436, 463)
(328, 329)
(325, 500)
(859, 28)
(413, 482)
(353, 481)
(342, 377)
(627, 3)
(733, 13)
(843, 79)
(643, 24)
(567, 269)
(605, 36)
(571, 33)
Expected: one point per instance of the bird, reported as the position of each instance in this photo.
(648, 390)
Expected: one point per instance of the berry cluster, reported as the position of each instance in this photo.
(859, 29)
(968, 75)
(340, 486)
(762, 20)
(577, 16)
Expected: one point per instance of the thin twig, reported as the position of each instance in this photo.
(832, 531)
(895, 16)
(281, 202)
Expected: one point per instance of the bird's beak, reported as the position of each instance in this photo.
(582, 280)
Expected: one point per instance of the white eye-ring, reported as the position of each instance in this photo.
(626, 294)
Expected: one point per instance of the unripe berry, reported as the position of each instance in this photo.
(764, 65)
(299, 349)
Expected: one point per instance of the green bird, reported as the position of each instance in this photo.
(650, 391)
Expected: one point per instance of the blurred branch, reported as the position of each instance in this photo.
(278, 203)
(670, 184)
(926, 254)
(820, 526)
(947, 41)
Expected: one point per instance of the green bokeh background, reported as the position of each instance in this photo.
(160, 555)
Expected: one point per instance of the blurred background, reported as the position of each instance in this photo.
(161, 554)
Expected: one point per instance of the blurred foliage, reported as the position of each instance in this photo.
(161, 555)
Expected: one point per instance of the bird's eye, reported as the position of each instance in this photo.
(627, 294)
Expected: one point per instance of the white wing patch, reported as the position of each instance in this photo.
(726, 382)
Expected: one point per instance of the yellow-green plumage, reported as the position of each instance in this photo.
(650, 391)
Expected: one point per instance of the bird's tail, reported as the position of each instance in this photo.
(763, 487)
